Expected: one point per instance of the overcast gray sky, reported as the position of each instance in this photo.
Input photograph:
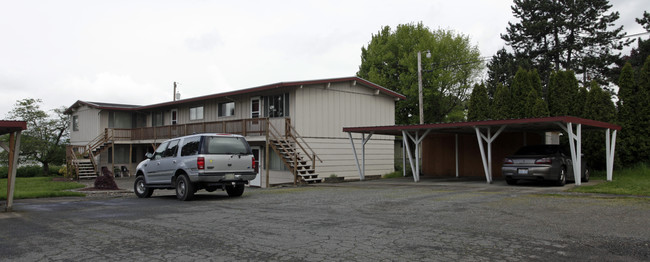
(132, 51)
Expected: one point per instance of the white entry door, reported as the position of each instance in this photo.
(257, 153)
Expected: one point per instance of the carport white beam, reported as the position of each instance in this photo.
(610, 149)
(575, 144)
(362, 167)
(417, 140)
(487, 161)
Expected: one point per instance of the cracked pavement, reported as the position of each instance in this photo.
(359, 221)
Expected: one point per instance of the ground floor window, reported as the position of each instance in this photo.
(276, 163)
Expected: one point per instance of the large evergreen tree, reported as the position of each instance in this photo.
(479, 104)
(598, 106)
(638, 54)
(562, 93)
(502, 68)
(566, 35)
(502, 105)
(634, 115)
(390, 60)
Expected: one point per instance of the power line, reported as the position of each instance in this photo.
(635, 35)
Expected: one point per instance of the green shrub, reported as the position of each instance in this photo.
(30, 171)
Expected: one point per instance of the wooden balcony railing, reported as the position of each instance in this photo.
(244, 127)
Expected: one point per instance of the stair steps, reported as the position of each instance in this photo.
(291, 156)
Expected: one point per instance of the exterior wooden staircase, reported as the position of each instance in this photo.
(82, 158)
(295, 153)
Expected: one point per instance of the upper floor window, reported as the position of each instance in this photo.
(75, 123)
(277, 105)
(227, 109)
(196, 113)
(157, 119)
(120, 120)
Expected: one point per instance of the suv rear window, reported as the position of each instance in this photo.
(225, 145)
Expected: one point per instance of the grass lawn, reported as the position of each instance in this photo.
(630, 181)
(36, 187)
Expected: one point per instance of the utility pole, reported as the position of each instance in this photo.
(174, 95)
(420, 101)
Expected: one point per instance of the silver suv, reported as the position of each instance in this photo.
(195, 162)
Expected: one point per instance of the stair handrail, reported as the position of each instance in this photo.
(98, 141)
(272, 135)
(294, 131)
(72, 158)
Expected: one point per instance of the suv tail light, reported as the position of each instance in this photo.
(253, 164)
(200, 163)
(546, 160)
(508, 161)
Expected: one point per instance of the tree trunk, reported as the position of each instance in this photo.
(46, 168)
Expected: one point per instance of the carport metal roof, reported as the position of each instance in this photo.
(483, 131)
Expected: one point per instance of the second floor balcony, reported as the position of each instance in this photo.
(245, 127)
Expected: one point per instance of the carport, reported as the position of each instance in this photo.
(13, 128)
(486, 133)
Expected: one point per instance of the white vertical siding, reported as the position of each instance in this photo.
(319, 113)
(89, 125)
(338, 158)
(323, 112)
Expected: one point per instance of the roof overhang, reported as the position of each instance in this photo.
(121, 107)
(11, 126)
(544, 124)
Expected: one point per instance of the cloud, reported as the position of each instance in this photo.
(205, 42)
(109, 87)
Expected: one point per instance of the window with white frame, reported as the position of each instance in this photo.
(226, 109)
(75, 123)
(196, 113)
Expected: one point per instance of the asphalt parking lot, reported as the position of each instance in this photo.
(379, 220)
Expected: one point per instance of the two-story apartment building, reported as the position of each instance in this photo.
(294, 128)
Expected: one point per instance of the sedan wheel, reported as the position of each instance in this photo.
(561, 181)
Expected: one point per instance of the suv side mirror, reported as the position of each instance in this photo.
(148, 155)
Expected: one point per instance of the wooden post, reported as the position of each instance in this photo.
(14, 144)
(266, 154)
(295, 169)
(130, 158)
(113, 158)
(243, 127)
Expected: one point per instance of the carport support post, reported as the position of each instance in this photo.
(417, 140)
(576, 151)
(487, 163)
(363, 153)
(408, 151)
(356, 158)
(404, 156)
(456, 155)
(610, 148)
(364, 140)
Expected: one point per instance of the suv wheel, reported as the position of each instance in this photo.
(235, 191)
(184, 188)
(140, 188)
